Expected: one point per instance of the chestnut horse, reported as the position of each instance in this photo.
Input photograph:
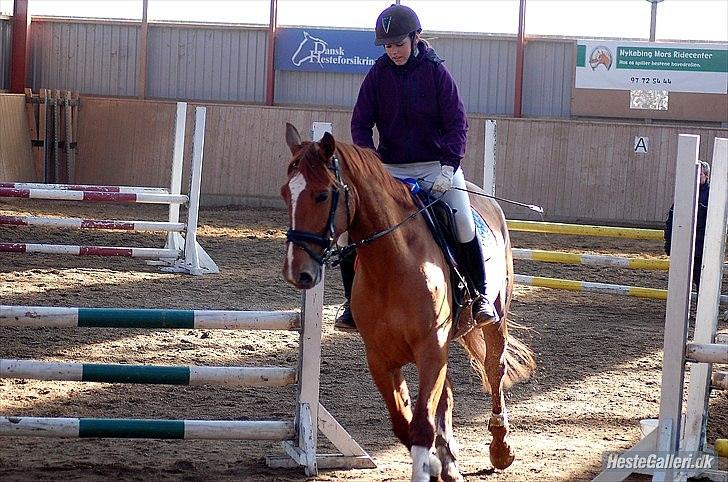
(401, 297)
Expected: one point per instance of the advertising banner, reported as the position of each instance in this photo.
(622, 65)
(319, 50)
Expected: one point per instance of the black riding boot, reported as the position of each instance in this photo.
(345, 322)
(483, 310)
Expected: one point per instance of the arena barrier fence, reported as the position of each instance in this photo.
(181, 252)
(299, 435)
(675, 433)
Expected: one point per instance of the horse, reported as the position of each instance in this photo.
(401, 297)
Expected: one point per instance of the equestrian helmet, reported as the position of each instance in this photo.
(395, 23)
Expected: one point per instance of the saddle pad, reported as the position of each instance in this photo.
(492, 244)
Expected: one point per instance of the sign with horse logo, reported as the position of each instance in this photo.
(319, 50)
(670, 67)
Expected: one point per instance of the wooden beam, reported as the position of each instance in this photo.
(19, 47)
(270, 57)
(520, 47)
(142, 58)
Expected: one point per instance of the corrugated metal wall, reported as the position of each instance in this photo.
(218, 64)
(90, 57)
(5, 38)
(228, 64)
(548, 77)
(313, 88)
(484, 68)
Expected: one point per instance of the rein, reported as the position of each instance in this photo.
(344, 250)
(325, 239)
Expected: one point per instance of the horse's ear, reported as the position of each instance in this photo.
(328, 145)
(293, 138)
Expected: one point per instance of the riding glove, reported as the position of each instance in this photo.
(443, 181)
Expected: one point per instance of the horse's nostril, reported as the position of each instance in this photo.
(305, 279)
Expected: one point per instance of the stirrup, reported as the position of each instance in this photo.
(345, 321)
(483, 311)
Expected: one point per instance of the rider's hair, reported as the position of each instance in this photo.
(705, 168)
(412, 39)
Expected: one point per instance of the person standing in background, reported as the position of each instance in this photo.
(703, 192)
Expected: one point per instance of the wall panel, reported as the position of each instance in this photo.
(16, 161)
(588, 171)
(90, 57)
(206, 63)
(578, 171)
(548, 78)
(329, 90)
(5, 39)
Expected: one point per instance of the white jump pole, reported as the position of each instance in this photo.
(78, 223)
(678, 298)
(82, 187)
(196, 260)
(489, 159)
(706, 315)
(175, 185)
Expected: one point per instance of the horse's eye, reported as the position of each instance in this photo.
(321, 197)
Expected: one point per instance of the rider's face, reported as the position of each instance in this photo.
(399, 52)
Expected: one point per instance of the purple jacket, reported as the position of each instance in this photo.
(417, 110)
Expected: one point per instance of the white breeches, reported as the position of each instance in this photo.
(425, 173)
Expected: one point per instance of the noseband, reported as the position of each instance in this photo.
(303, 239)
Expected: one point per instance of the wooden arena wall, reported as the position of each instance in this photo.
(15, 150)
(578, 171)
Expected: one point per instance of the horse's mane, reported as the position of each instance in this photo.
(361, 166)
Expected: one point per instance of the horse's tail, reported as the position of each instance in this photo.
(519, 360)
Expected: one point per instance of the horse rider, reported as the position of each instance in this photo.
(414, 102)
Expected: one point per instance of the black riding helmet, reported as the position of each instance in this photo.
(395, 23)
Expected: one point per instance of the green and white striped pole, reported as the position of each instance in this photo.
(58, 317)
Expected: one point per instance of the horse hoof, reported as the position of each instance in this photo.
(435, 467)
(501, 455)
(426, 467)
(450, 473)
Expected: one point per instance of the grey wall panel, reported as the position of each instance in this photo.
(89, 57)
(206, 63)
(228, 63)
(5, 39)
(313, 88)
(484, 69)
(548, 78)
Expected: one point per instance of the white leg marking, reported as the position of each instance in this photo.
(499, 419)
(296, 185)
(420, 464)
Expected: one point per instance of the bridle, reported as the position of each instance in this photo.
(325, 239)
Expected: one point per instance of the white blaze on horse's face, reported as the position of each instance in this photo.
(296, 186)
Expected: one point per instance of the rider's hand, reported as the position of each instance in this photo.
(443, 181)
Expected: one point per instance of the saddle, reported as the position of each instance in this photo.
(441, 221)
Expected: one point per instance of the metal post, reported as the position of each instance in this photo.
(143, 36)
(653, 19)
(520, 47)
(271, 69)
(19, 46)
